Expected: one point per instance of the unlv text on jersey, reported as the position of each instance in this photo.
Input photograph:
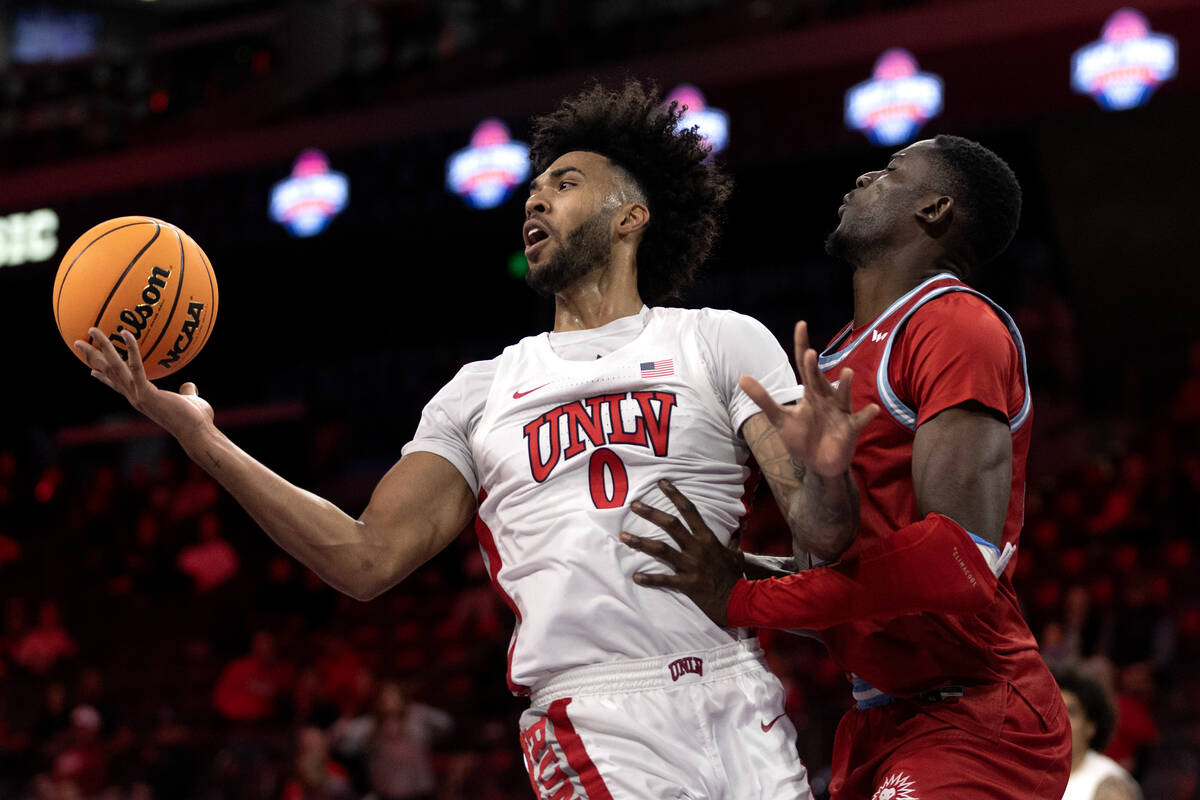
(585, 423)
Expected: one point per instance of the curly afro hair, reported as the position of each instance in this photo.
(685, 193)
(987, 193)
(1096, 699)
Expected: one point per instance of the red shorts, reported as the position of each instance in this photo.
(992, 743)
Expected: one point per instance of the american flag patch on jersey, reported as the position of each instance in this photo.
(658, 369)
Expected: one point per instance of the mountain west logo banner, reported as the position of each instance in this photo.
(311, 197)
(485, 174)
(1129, 62)
(896, 102)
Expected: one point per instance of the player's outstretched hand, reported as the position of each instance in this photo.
(177, 413)
(705, 570)
(821, 431)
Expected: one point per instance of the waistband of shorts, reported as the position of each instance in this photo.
(647, 674)
(867, 696)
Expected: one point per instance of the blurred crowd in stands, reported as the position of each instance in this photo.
(155, 644)
(176, 70)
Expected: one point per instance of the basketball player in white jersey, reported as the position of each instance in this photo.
(554, 442)
(1093, 713)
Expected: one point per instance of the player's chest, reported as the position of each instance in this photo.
(542, 425)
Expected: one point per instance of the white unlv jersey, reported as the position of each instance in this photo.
(557, 450)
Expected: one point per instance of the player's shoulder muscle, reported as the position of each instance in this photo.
(961, 320)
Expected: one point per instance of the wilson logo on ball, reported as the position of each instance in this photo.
(144, 276)
(136, 320)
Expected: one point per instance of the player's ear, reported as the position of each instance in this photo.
(632, 218)
(935, 209)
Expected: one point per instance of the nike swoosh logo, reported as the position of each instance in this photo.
(519, 395)
(766, 726)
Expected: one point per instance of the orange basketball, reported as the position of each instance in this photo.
(142, 275)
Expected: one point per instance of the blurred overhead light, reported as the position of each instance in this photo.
(897, 100)
(1129, 62)
(307, 201)
(485, 173)
(27, 238)
(711, 123)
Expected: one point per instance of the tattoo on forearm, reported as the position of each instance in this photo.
(820, 512)
(213, 460)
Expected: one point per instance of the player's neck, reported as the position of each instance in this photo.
(597, 299)
(880, 282)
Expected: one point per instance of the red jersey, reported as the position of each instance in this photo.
(938, 346)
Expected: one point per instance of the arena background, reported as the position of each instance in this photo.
(327, 347)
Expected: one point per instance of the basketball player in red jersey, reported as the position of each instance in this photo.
(953, 700)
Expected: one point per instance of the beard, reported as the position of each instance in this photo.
(857, 244)
(587, 247)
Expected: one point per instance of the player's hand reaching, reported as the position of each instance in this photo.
(821, 430)
(705, 570)
(177, 413)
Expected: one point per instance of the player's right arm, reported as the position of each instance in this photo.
(805, 450)
(419, 506)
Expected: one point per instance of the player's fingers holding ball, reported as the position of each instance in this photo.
(134, 359)
(102, 344)
(90, 354)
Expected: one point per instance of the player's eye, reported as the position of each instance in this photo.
(564, 185)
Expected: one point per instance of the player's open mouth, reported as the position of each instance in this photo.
(535, 236)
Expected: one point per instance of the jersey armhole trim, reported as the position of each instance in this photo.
(907, 416)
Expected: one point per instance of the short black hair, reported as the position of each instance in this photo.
(985, 191)
(1096, 699)
(685, 192)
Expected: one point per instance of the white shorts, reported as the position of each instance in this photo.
(704, 725)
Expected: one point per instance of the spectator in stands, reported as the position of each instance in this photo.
(1093, 716)
(47, 644)
(10, 550)
(1136, 729)
(249, 686)
(54, 715)
(212, 561)
(395, 743)
(198, 493)
(1185, 406)
(316, 776)
(8, 474)
(477, 609)
(83, 758)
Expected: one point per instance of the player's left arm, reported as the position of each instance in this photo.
(961, 367)
(962, 468)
